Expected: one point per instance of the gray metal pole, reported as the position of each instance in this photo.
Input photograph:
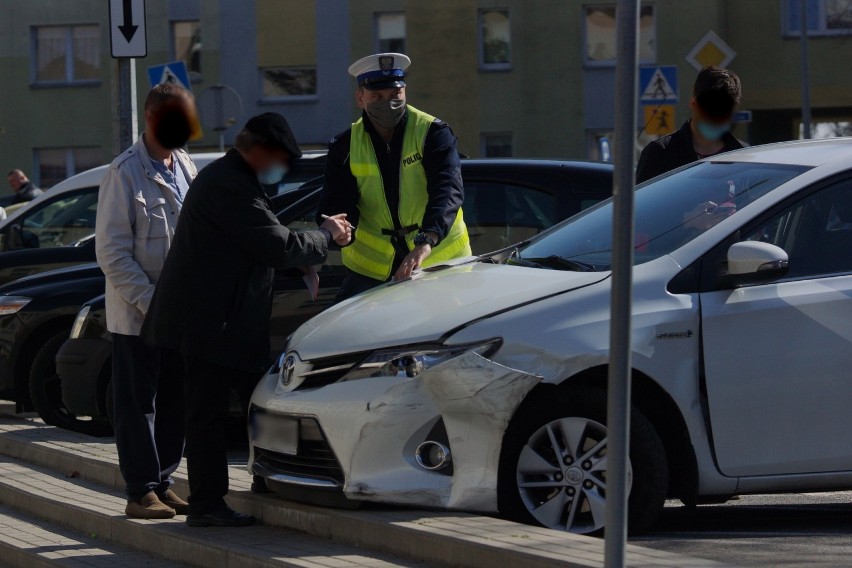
(806, 79)
(618, 403)
(125, 121)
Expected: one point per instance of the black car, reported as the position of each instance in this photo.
(506, 201)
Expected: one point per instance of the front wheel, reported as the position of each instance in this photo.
(46, 392)
(553, 466)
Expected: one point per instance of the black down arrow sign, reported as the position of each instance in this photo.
(128, 30)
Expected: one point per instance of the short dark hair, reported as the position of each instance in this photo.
(164, 92)
(16, 171)
(717, 91)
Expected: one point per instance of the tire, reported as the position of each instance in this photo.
(46, 392)
(568, 492)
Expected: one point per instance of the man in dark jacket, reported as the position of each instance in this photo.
(24, 189)
(213, 300)
(716, 95)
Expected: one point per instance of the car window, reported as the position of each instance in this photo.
(499, 214)
(816, 232)
(61, 221)
(670, 212)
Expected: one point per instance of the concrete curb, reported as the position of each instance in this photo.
(453, 539)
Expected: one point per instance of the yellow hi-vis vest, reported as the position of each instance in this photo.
(371, 253)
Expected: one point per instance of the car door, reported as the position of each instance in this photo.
(292, 305)
(777, 355)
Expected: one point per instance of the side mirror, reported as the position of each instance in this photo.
(752, 262)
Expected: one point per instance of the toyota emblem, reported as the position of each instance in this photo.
(287, 370)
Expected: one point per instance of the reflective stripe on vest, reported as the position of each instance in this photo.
(371, 253)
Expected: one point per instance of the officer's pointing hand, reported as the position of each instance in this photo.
(339, 227)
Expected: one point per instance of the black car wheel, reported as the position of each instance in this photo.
(553, 466)
(46, 392)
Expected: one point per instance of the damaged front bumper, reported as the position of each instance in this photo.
(361, 437)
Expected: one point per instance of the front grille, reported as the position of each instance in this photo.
(315, 458)
(327, 371)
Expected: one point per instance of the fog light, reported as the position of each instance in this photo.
(432, 455)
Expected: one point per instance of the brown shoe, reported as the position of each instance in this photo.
(171, 499)
(149, 507)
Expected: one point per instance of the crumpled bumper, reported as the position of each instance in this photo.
(373, 426)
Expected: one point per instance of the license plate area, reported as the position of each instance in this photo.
(276, 433)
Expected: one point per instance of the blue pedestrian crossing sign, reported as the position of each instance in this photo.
(658, 84)
(174, 72)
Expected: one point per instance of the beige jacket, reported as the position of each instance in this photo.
(137, 215)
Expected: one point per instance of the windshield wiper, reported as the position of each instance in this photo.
(554, 262)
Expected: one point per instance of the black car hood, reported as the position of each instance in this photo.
(91, 270)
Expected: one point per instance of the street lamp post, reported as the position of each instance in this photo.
(618, 392)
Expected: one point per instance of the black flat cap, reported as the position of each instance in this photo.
(275, 132)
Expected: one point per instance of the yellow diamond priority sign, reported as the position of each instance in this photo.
(711, 50)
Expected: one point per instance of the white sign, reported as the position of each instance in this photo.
(127, 33)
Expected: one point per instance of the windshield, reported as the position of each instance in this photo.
(669, 213)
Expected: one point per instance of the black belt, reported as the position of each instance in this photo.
(399, 234)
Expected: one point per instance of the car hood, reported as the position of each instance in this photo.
(427, 308)
(76, 272)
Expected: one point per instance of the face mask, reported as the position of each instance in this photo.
(171, 127)
(386, 113)
(713, 132)
(272, 174)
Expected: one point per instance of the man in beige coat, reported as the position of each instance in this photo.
(138, 206)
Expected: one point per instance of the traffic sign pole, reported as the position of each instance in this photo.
(128, 40)
(125, 121)
(618, 388)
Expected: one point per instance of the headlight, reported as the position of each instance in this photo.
(411, 361)
(12, 304)
(77, 328)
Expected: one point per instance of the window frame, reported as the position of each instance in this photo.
(194, 76)
(480, 23)
(284, 99)
(820, 30)
(377, 40)
(70, 161)
(608, 63)
(69, 80)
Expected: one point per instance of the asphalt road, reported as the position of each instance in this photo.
(784, 531)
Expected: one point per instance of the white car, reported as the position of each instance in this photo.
(481, 386)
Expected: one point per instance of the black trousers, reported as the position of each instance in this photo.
(208, 399)
(147, 385)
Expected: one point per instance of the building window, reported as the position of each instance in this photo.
(186, 46)
(285, 82)
(390, 32)
(66, 54)
(825, 17)
(56, 164)
(497, 145)
(599, 27)
(495, 43)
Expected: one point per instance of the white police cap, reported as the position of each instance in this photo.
(381, 70)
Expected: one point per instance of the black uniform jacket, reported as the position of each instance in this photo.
(440, 161)
(673, 151)
(214, 297)
(27, 192)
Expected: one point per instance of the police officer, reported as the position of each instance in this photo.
(396, 174)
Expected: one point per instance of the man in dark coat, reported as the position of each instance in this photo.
(716, 95)
(24, 189)
(213, 300)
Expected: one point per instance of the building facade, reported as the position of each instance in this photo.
(57, 106)
(533, 78)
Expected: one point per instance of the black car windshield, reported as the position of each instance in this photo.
(669, 213)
